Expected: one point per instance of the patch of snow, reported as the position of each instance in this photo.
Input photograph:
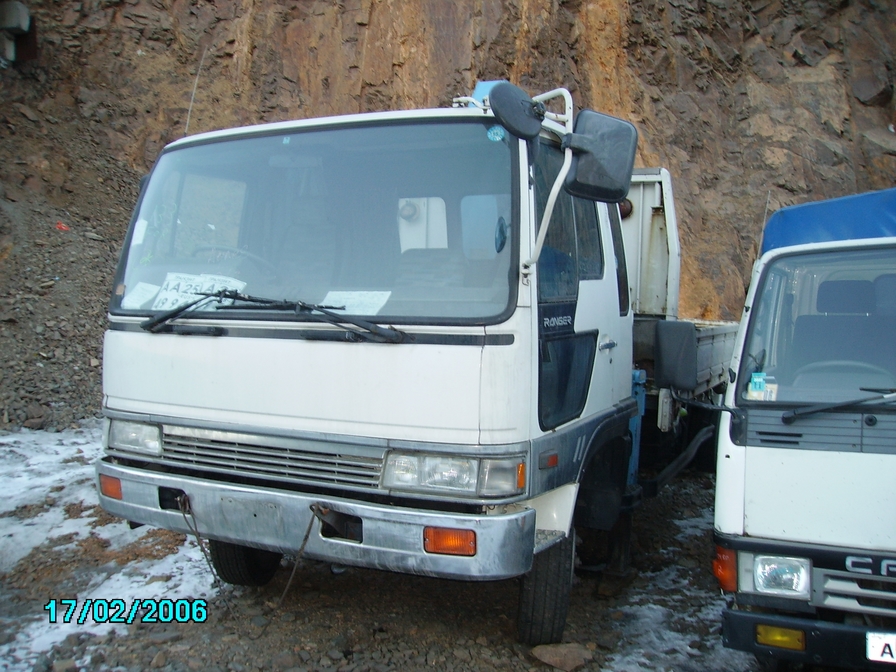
(42, 469)
(183, 575)
(695, 526)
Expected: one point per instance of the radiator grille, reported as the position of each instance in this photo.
(867, 595)
(274, 458)
(871, 432)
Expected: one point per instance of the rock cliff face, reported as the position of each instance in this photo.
(754, 106)
(751, 105)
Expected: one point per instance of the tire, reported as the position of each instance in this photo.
(544, 594)
(242, 565)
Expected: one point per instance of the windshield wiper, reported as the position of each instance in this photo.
(789, 417)
(157, 323)
(365, 330)
(368, 331)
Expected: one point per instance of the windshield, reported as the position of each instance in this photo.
(401, 222)
(822, 328)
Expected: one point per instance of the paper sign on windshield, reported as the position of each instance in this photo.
(180, 288)
(358, 303)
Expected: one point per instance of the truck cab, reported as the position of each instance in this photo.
(397, 340)
(805, 509)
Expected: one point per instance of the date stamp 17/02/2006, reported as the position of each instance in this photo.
(122, 611)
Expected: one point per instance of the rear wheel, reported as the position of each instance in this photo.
(544, 594)
(242, 565)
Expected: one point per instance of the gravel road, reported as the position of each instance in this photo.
(353, 620)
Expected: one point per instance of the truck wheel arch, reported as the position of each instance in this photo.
(602, 482)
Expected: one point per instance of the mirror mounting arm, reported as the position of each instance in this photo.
(548, 211)
(566, 117)
(577, 142)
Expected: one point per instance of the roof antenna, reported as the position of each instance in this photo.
(193, 96)
(767, 201)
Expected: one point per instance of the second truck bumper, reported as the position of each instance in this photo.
(827, 643)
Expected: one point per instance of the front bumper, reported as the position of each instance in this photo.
(828, 644)
(277, 520)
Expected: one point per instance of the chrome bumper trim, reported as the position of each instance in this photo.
(277, 520)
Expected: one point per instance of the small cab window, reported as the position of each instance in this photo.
(590, 253)
(485, 222)
(619, 253)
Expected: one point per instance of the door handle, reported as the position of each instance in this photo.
(607, 345)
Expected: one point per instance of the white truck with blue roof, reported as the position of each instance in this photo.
(401, 340)
(805, 509)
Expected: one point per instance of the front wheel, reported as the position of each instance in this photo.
(544, 594)
(242, 565)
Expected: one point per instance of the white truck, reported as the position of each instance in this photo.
(805, 509)
(400, 341)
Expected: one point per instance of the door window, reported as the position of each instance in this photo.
(571, 252)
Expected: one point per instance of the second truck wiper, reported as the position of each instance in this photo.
(788, 417)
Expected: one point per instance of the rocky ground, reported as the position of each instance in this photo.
(61, 226)
(362, 620)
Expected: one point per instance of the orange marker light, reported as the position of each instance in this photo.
(783, 638)
(725, 568)
(111, 487)
(445, 541)
(521, 476)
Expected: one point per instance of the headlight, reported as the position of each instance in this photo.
(787, 577)
(431, 472)
(135, 436)
(451, 473)
(455, 474)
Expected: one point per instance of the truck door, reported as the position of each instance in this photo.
(582, 342)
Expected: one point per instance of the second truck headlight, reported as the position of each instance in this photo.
(787, 577)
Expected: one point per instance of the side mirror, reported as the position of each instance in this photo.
(675, 362)
(516, 111)
(603, 157)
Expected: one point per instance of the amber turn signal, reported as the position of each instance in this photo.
(725, 569)
(110, 487)
(446, 541)
(783, 638)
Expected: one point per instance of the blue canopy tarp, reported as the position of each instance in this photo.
(868, 215)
